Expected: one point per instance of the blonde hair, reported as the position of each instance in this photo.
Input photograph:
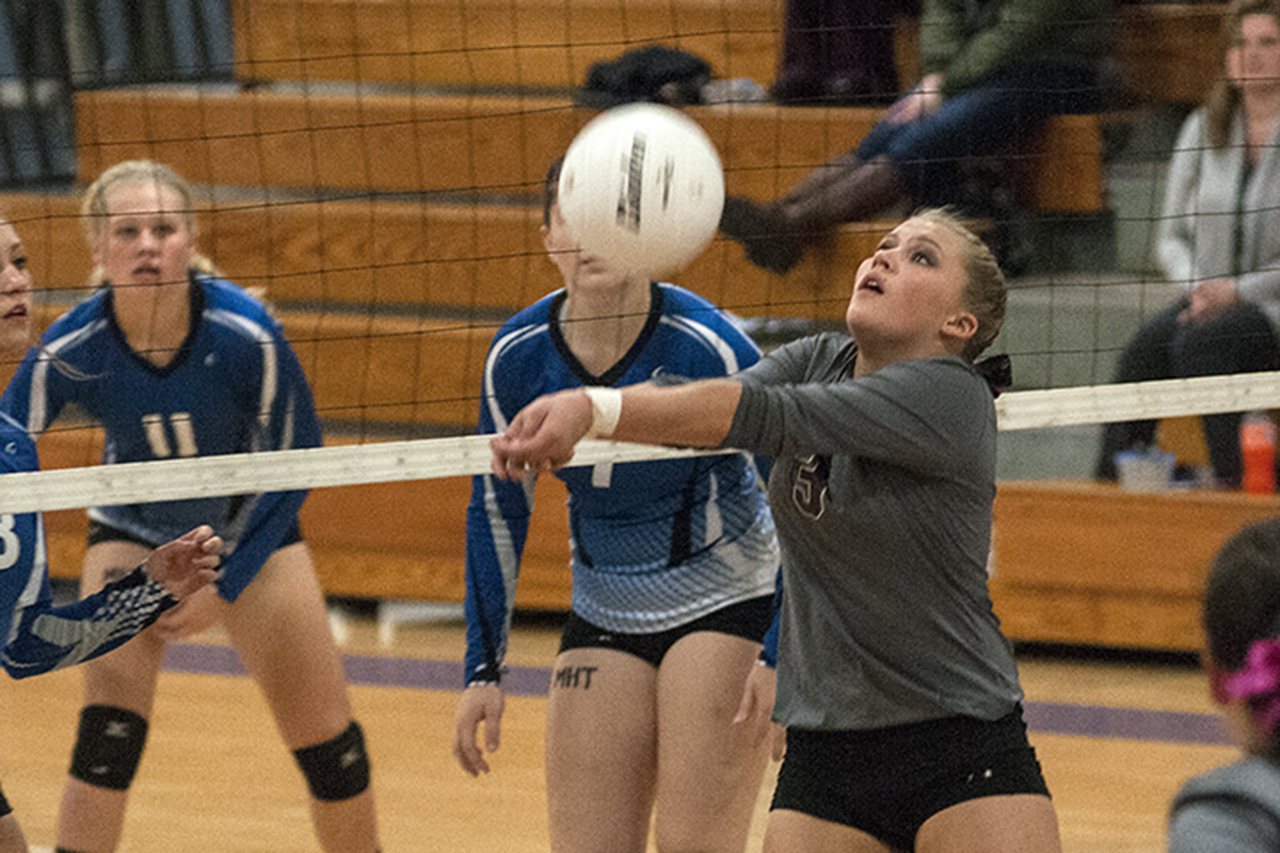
(93, 208)
(1223, 100)
(985, 292)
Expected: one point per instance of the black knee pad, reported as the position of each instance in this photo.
(5, 808)
(337, 769)
(108, 746)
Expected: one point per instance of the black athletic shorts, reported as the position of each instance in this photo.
(5, 808)
(748, 619)
(99, 532)
(888, 782)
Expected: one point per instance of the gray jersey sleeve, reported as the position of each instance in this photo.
(924, 415)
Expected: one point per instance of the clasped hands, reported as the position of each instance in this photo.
(542, 437)
(1209, 298)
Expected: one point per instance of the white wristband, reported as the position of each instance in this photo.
(606, 408)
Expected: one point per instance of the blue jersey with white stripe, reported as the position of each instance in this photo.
(656, 544)
(234, 386)
(37, 636)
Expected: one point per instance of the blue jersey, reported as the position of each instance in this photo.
(235, 386)
(37, 636)
(656, 544)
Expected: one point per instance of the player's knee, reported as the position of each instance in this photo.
(108, 746)
(337, 769)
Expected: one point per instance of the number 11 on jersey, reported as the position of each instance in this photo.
(180, 425)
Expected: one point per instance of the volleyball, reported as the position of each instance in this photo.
(642, 188)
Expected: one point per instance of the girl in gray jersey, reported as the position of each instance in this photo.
(898, 692)
(1236, 809)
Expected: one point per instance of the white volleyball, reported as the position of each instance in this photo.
(642, 188)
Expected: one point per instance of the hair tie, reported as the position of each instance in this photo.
(997, 370)
(1257, 680)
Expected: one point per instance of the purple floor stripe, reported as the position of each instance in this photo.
(1049, 717)
(1126, 723)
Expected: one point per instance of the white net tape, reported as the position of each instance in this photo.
(142, 482)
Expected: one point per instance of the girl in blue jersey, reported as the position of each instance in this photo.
(674, 566)
(38, 637)
(174, 361)
(898, 691)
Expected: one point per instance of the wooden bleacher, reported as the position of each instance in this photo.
(1091, 564)
(1163, 51)
(383, 282)
(428, 257)
(346, 142)
(413, 143)
(495, 43)
(1167, 52)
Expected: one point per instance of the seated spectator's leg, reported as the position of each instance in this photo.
(1239, 340)
(776, 236)
(744, 220)
(1148, 356)
(896, 161)
(982, 121)
(873, 145)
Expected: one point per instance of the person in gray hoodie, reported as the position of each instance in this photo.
(1236, 808)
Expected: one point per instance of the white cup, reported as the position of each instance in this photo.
(1151, 471)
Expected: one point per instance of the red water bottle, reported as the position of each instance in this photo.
(1258, 453)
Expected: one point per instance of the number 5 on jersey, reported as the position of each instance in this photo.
(184, 434)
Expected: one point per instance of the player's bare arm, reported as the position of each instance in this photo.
(543, 435)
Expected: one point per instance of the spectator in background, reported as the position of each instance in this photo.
(839, 51)
(1236, 808)
(1219, 236)
(993, 71)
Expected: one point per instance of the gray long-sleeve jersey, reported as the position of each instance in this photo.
(882, 491)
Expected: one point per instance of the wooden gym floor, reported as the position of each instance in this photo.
(1115, 737)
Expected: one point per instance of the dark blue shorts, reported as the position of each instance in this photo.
(748, 619)
(888, 782)
(99, 532)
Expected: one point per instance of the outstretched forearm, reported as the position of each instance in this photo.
(543, 436)
(695, 414)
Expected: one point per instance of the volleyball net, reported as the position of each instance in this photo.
(423, 459)
(376, 168)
